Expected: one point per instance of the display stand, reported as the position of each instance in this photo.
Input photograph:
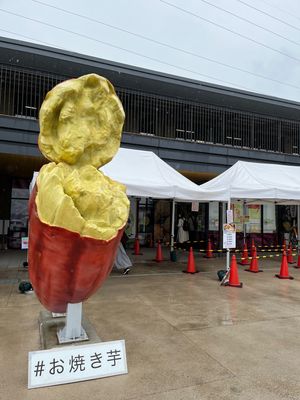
(226, 276)
(66, 328)
(73, 330)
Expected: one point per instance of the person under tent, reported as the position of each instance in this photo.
(183, 229)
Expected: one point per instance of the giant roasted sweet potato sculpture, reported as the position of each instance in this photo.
(76, 214)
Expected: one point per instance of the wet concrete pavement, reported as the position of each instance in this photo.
(186, 336)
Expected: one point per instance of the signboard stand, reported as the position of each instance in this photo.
(24, 246)
(229, 240)
(68, 364)
(73, 331)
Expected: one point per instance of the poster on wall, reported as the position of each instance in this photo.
(229, 236)
(254, 218)
(238, 216)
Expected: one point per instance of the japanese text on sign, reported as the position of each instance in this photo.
(229, 236)
(71, 364)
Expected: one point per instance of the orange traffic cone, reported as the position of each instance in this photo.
(233, 274)
(159, 256)
(290, 258)
(245, 259)
(298, 262)
(191, 268)
(284, 269)
(209, 250)
(254, 263)
(136, 248)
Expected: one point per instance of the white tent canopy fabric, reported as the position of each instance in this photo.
(254, 182)
(146, 175)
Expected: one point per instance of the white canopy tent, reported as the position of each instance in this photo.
(254, 183)
(146, 175)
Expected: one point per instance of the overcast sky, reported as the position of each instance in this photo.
(189, 45)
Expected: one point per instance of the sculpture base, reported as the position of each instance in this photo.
(49, 326)
(63, 337)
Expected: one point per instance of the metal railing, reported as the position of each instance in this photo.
(22, 93)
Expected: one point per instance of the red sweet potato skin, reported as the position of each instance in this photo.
(65, 267)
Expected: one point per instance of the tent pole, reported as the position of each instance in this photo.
(298, 230)
(173, 225)
(228, 250)
(172, 252)
(221, 212)
(137, 213)
(244, 225)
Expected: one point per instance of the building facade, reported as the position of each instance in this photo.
(200, 129)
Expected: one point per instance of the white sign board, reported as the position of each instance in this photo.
(195, 205)
(24, 243)
(229, 236)
(76, 363)
(229, 216)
